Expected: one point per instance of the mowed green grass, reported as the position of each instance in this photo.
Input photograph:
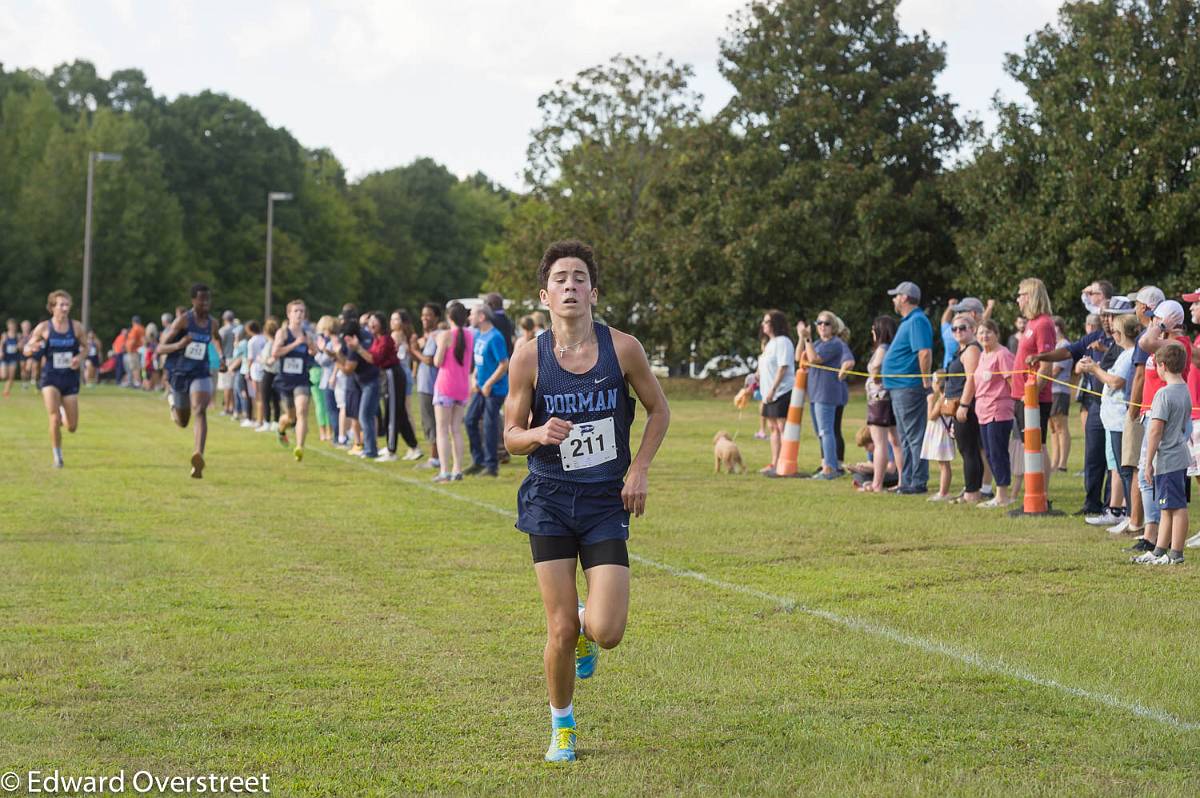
(351, 630)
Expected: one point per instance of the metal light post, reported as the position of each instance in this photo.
(87, 235)
(272, 198)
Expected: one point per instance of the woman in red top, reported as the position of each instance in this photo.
(383, 353)
(1040, 336)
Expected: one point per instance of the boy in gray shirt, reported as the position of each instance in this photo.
(1167, 455)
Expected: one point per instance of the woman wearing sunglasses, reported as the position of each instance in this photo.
(827, 390)
(959, 404)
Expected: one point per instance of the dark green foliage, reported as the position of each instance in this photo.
(187, 203)
(1098, 175)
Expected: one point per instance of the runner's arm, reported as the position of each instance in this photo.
(81, 355)
(176, 343)
(518, 437)
(649, 392)
(279, 348)
(35, 338)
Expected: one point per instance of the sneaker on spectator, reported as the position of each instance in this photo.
(1145, 558)
(386, 457)
(1105, 518)
(1142, 545)
(413, 454)
(1119, 527)
(1193, 542)
(248, 424)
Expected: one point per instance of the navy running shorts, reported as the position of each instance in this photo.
(590, 513)
(67, 384)
(1170, 490)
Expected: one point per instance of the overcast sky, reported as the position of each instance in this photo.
(381, 82)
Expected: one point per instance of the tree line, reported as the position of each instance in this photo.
(835, 171)
(838, 170)
(187, 202)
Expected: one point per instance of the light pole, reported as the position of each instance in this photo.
(272, 198)
(87, 235)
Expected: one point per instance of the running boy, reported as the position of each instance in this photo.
(570, 411)
(294, 348)
(191, 380)
(1167, 456)
(58, 341)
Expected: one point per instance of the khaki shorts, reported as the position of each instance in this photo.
(1131, 442)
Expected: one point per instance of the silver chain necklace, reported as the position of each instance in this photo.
(564, 348)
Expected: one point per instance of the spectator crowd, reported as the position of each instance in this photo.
(1134, 376)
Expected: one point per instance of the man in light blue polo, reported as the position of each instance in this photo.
(911, 352)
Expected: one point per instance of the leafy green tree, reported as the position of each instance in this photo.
(826, 168)
(432, 230)
(138, 248)
(602, 145)
(1097, 176)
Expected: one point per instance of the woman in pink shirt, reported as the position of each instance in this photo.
(454, 359)
(994, 408)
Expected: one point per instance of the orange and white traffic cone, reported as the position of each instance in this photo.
(1035, 502)
(789, 451)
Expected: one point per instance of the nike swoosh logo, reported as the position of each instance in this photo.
(602, 379)
(625, 525)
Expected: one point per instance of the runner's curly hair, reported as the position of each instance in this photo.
(569, 248)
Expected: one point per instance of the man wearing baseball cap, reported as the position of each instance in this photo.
(1166, 324)
(1095, 346)
(911, 352)
(1144, 301)
(1193, 384)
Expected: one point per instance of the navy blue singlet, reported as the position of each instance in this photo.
(193, 359)
(583, 399)
(12, 349)
(60, 349)
(293, 368)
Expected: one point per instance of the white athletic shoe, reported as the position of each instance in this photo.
(1145, 558)
(1119, 527)
(274, 426)
(1105, 518)
(248, 424)
(413, 454)
(386, 457)
(1193, 542)
(263, 428)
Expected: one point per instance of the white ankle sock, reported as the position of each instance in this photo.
(559, 714)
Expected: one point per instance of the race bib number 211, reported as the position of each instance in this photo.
(589, 445)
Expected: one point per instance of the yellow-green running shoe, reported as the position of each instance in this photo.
(562, 744)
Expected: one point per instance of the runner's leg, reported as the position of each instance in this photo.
(606, 610)
(200, 411)
(52, 399)
(300, 412)
(71, 406)
(556, 581)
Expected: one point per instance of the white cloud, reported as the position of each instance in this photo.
(45, 33)
(280, 32)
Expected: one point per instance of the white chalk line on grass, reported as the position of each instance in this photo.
(924, 644)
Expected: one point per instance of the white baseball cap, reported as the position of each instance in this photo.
(1150, 296)
(1169, 311)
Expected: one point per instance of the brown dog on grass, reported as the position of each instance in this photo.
(725, 451)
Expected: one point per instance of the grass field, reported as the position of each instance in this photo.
(350, 629)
